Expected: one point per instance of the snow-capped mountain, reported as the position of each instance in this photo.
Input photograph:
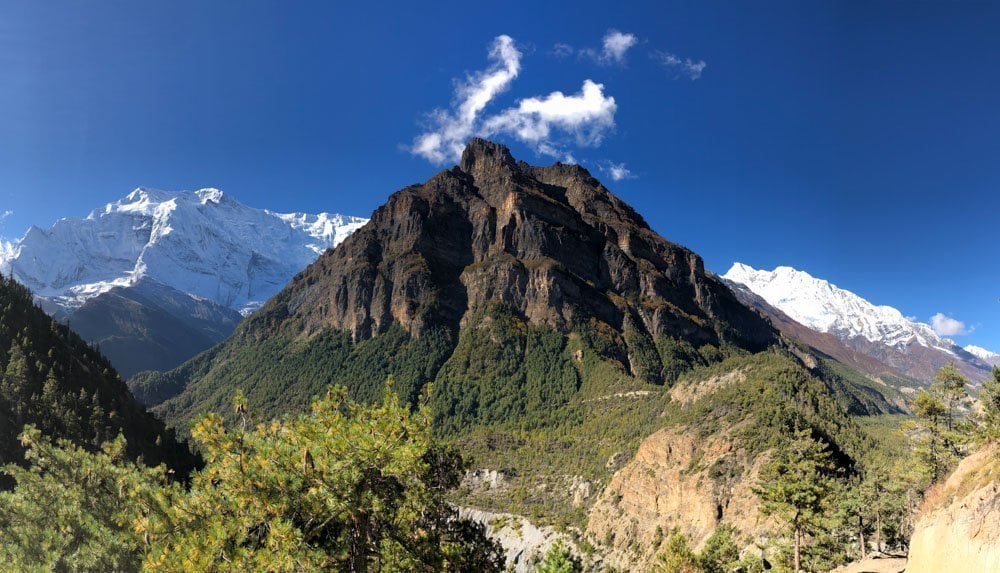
(204, 243)
(882, 332)
(827, 308)
(987, 356)
(158, 277)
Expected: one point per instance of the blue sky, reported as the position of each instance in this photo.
(859, 141)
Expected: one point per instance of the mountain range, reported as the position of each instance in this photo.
(857, 331)
(987, 356)
(591, 372)
(551, 332)
(157, 277)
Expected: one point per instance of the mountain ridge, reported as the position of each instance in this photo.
(908, 347)
(54, 380)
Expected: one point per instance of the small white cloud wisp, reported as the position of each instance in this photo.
(545, 123)
(616, 171)
(945, 325)
(680, 67)
(614, 46)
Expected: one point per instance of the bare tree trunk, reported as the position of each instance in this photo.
(861, 537)
(797, 542)
(878, 531)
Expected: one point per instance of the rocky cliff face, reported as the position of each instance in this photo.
(551, 243)
(676, 480)
(958, 529)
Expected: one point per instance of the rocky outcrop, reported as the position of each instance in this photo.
(959, 523)
(676, 480)
(550, 243)
(523, 542)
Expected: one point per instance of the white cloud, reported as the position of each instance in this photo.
(945, 325)
(454, 129)
(5, 214)
(585, 116)
(561, 50)
(680, 67)
(614, 46)
(545, 123)
(617, 171)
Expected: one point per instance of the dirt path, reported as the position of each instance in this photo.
(880, 564)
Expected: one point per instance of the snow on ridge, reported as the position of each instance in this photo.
(204, 243)
(825, 307)
(980, 352)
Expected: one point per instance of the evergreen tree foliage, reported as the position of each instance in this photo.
(559, 559)
(346, 487)
(52, 379)
(677, 556)
(280, 374)
(930, 444)
(937, 436)
(720, 555)
(72, 510)
(503, 370)
(950, 389)
(796, 486)
(987, 422)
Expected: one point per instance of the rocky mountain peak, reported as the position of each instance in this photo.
(551, 244)
(485, 160)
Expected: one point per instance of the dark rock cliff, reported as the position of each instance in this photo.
(551, 243)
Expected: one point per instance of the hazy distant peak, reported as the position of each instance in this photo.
(982, 353)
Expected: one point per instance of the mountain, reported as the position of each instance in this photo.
(157, 277)
(150, 326)
(908, 348)
(480, 280)
(987, 356)
(53, 379)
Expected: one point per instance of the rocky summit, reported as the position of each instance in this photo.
(551, 243)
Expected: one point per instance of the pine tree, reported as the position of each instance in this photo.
(796, 486)
(931, 442)
(559, 559)
(677, 557)
(346, 487)
(987, 423)
(72, 510)
(950, 389)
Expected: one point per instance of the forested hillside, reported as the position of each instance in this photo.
(55, 381)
